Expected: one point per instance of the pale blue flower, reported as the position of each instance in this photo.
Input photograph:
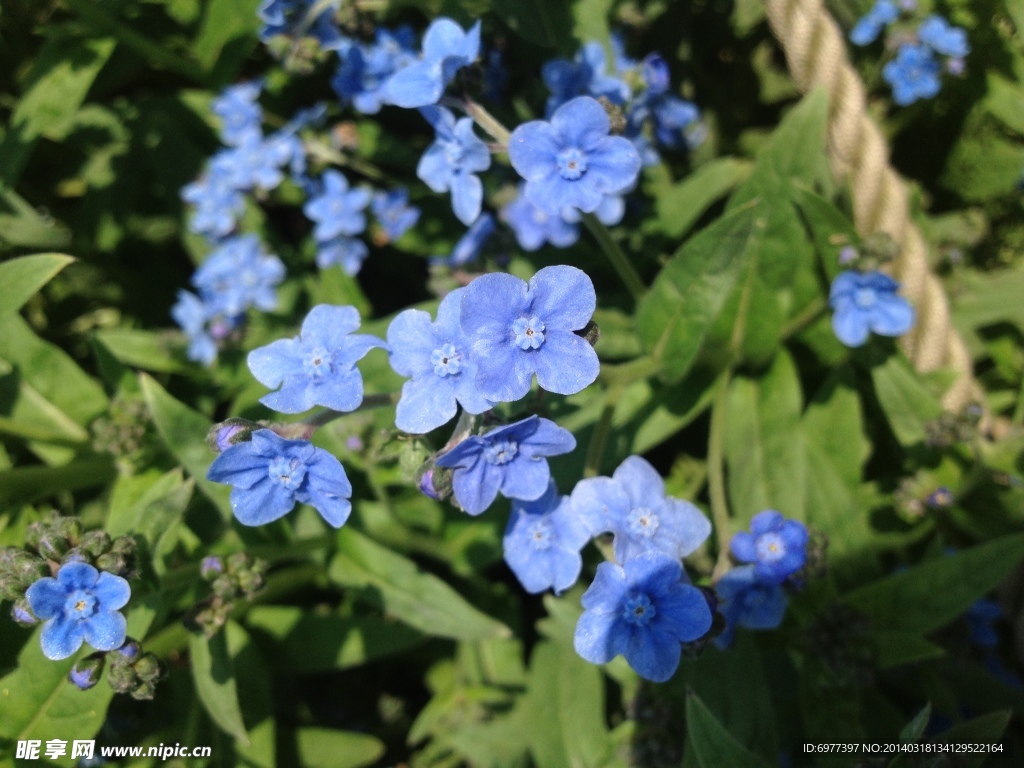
(913, 74)
(776, 546)
(866, 302)
(337, 210)
(453, 160)
(447, 48)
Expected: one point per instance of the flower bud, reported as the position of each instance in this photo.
(87, 672)
(53, 546)
(427, 484)
(211, 567)
(114, 563)
(130, 650)
(22, 614)
(237, 562)
(75, 555)
(230, 432)
(69, 528)
(95, 543)
(121, 677)
(148, 668)
(250, 581)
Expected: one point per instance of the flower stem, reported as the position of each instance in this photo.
(599, 439)
(620, 262)
(716, 476)
(487, 121)
(303, 430)
(463, 429)
(813, 311)
(330, 155)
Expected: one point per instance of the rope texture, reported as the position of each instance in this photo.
(815, 50)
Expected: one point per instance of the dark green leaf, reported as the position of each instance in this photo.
(143, 349)
(907, 402)
(938, 590)
(915, 728)
(987, 729)
(685, 202)
(894, 648)
(542, 22)
(419, 599)
(214, 675)
(20, 279)
(712, 743)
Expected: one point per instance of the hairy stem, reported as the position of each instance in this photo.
(599, 439)
(716, 476)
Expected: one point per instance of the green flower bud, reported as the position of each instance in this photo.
(87, 672)
(95, 543)
(53, 547)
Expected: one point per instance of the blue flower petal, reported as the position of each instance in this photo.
(613, 165)
(105, 631)
(476, 490)
(46, 597)
(893, 316)
(467, 197)
(263, 503)
(417, 85)
(238, 466)
(526, 479)
(62, 637)
(581, 123)
(411, 339)
(77, 576)
(563, 295)
(112, 593)
(599, 501)
(851, 326)
(426, 404)
(654, 655)
(531, 149)
(270, 365)
(599, 640)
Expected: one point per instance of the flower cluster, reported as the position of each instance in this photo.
(921, 53)
(753, 595)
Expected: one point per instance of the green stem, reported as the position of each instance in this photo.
(488, 122)
(620, 261)
(813, 311)
(599, 439)
(155, 54)
(330, 155)
(1018, 411)
(716, 476)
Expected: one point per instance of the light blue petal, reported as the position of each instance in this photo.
(687, 525)
(476, 489)
(641, 481)
(467, 197)
(684, 613)
(613, 165)
(329, 488)
(548, 439)
(742, 547)
(533, 148)
(77, 576)
(296, 396)
(892, 316)
(418, 85)
(239, 466)
(566, 363)
(443, 38)
(270, 365)
(581, 123)
(599, 501)
(343, 391)
(504, 373)
(434, 170)
(850, 326)
(563, 296)
(653, 655)
(599, 637)
(61, 637)
(525, 479)
(427, 403)
(46, 597)
(112, 592)
(105, 631)
(411, 339)
(552, 193)
(329, 324)
(261, 504)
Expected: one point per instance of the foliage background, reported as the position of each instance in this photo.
(404, 637)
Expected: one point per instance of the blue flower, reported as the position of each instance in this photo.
(572, 161)
(518, 330)
(289, 18)
(913, 74)
(192, 315)
(542, 542)
(270, 474)
(632, 505)
(363, 74)
(870, 26)
(452, 161)
(776, 546)
(981, 617)
(509, 459)
(218, 204)
(943, 38)
(447, 48)
(584, 76)
(346, 252)
(533, 227)
(609, 212)
(472, 243)
(256, 163)
(80, 605)
(747, 601)
(435, 357)
(643, 609)
(239, 275)
(864, 302)
(393, 212)
(239, 111)
(337, 210)
(318, 367)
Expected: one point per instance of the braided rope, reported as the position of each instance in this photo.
(816, 53)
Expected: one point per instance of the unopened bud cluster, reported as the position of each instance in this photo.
(134, 672)
(234, 578)
(121, 432)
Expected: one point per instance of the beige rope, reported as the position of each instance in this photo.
(816, 52)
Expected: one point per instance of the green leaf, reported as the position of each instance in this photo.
(20, 279)
(564, 709)
(227, 35)
(307, 643)
(25, 484)
(157, 512)
(256, 698)
(419, 599)
(987, 729)
(184, 432)
(327, 748)
(143, 349)
(935, 592)
(691, 291)
(1005, 100)
(907, 402)
(25, 227)
(683, 203)
(913, 730)
(764, 446)
(896, 648)
(214, 675)
(712, 743)
(543, 22)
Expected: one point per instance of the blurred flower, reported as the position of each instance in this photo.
(571, 160)
(913, 74)
(533, 227)
(776, 546)
(435, 357)
(447, 48)
(864, 302)
(192, 315)
(238, 275)
(270, 475)
(632, 505)
(939, 35)
(239, 111)
(870, 26)
(518, 330)
(981, 617)
(337, 210)
(218, 204)
(643, 609)
(291, 18)
(747, 601)
(452, 161)
(364, 71)
(471, 244)
(80, 605)
(318, 367)
(349, 253)
(393, 212)
(542, 542)
(510, 460)
(584, 76)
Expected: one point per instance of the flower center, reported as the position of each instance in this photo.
(288, 472)
(447, 360)
(454, 153)
(770, 547)
(317, 362)
(864, 298)
(540, 535)
(501, 452)
(572, 163)
(638, 609)
(529, 332)
(643, 522)
(82, 604)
